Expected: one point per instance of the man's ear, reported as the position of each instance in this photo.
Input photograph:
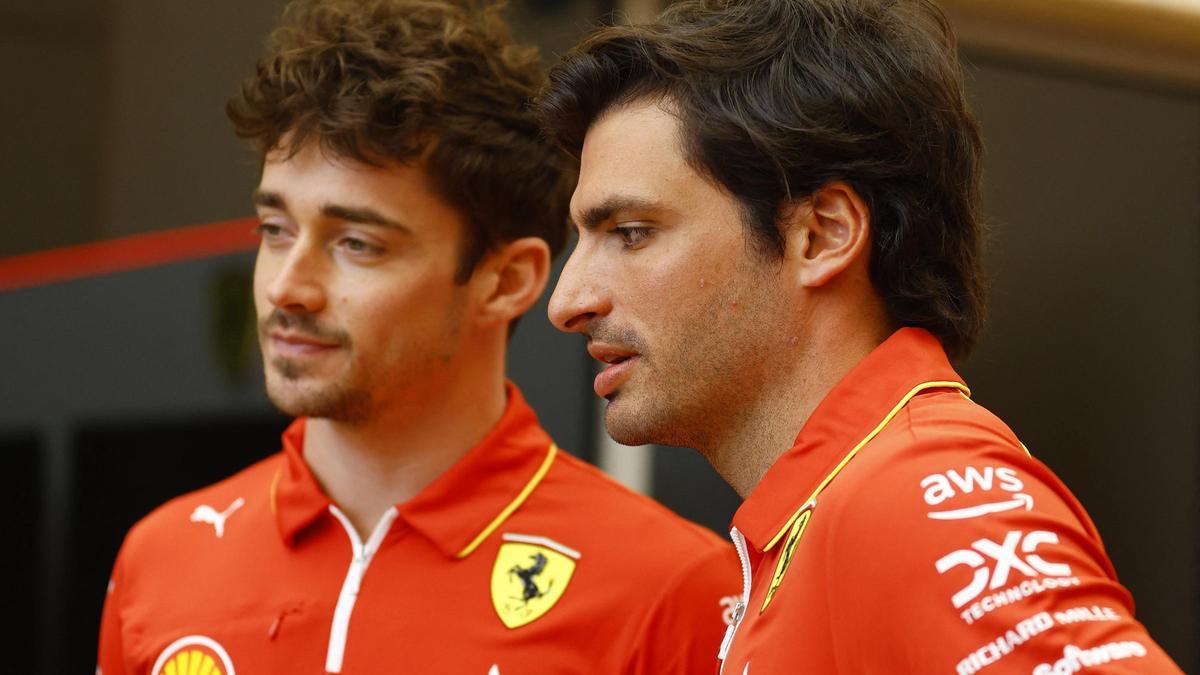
(513, 278)
(827, 233)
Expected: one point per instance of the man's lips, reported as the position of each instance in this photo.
(610, 354)
(296, 344)
(619, 361)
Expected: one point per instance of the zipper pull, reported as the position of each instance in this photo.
(728, 640)
(738, 610)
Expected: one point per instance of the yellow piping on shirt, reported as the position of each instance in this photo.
(513, 505)
(274, 491)
(850, 455)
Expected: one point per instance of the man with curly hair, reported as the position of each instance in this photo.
(417, 519)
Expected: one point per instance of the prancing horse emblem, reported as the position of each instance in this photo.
(529, 577)
(530, 590)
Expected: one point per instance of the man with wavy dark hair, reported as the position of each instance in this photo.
(418, 519)
(778, 255)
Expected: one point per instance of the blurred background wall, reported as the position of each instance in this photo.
(119, 391)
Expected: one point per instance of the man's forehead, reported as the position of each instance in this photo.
(630, 155)
(643, 124)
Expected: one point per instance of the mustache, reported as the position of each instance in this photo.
(304, 324)
(602, 330)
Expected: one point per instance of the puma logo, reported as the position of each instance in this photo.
(207, 514)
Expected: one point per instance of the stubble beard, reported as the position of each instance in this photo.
(653, 413)
(699, 381)
(336, 401)
(688, 402)
(289, 384)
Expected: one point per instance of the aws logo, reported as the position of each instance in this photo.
(193, 655)
(940, 487)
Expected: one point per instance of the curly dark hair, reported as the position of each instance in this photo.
(779, 97)
(432, 82)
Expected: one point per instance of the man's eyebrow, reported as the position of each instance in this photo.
(362, 215)
(268, 199)
(595, 216)
(352, 214)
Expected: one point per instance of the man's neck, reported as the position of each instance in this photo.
(367, 468)
(768, 426)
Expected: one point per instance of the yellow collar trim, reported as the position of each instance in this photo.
(850, 455)
(513, 505)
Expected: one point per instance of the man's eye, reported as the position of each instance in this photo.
(632, 236)
(271, 231)
(355, 245)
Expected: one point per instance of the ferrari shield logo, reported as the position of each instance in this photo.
(530, 575)
(789, 550)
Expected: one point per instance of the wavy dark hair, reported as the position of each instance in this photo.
(432, 82)
(779, 97)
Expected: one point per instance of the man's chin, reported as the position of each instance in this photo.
(329, 403)
(291, 370)
(292, 405)
(625, 423)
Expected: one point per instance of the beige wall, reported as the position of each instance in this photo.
(170, 157)
(119, 114)
(51, 113)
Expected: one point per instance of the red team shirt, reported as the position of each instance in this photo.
(909, 531)
(520, 559)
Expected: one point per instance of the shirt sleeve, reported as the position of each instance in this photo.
(981, 561)
(682, 632)
(111, 657)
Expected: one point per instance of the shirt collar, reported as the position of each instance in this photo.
(461, 507)
(464, 505)
(296, 498)
(856, 406)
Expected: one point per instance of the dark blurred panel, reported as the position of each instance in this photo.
(1092, 353)
(21, 501)
(686, 482)
(150, 342)
(554, 372)
(121, 473)
(553, 369)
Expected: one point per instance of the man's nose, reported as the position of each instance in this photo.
(578, 297)
(298, 286)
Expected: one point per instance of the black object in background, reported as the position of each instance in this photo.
(22, 503)
(121, 473)
(686, 482)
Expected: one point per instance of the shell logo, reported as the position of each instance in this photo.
(193, 655)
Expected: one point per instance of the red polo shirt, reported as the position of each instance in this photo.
(519, 559)
(909, 531)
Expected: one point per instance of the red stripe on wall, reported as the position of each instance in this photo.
(128, 253)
